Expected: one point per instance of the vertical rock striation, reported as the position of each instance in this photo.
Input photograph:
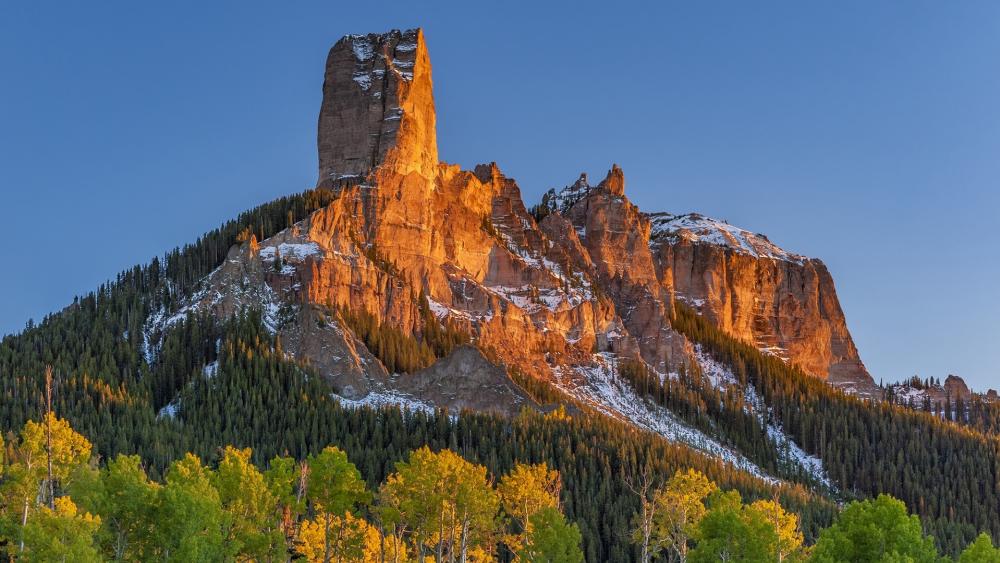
(378, 107)
(563, 292)
(784, 303)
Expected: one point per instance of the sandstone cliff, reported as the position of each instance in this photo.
(563, 293)
(371, 81)
(784, 303)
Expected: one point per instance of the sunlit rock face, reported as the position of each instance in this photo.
(371, 82)
(784, 303)
(563, 293)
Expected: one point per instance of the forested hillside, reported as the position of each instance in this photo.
(948, 473)
(214, 382)
(434, 505)
(256, 398)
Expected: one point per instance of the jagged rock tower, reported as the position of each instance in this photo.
(378, 107)
(566, 293)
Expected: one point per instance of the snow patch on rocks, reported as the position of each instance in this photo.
(387, 398)
(697, 228)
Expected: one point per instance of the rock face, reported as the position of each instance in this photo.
(933, 395)
(782, 302)
(371, 81)
(562, 293)
(467, 380)
(613, 238)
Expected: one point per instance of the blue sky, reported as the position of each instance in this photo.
(864, 133)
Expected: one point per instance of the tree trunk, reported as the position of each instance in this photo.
(439, 553)
(451, 539)
(465, 539)
(381, 544)
(326, 538)
(48, 435)
(340, 539)
(24, 522)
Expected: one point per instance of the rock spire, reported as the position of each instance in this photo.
(378, 108)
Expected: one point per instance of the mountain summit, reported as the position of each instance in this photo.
(378, 107)
(570, 292)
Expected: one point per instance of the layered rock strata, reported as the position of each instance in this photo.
(584, 280)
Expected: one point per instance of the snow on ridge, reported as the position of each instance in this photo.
(169, 410)
(363, 79)
(217, 286)
(406, 75)
(614, 397)
(695, 227)
(571, 292)
(717, 374)
(210, 370)
(697, 303)
(562, 200)
(290, 250)
(406, 47)
(362, 47)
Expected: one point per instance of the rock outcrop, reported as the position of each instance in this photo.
(560, 293)
(467, 380)
(933, 395)
(371, 82)
(784, 303)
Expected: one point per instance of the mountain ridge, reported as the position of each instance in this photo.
(582, 279)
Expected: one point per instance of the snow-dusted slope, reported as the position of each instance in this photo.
(600, 386)
(722, 377)
(698, 228)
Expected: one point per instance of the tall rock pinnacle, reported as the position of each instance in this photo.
(615, 181)
(378, 107)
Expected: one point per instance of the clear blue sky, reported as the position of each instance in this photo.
(864, 133)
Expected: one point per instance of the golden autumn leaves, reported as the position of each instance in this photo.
(690, 510)
(435, 506)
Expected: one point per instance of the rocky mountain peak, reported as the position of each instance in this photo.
(697, 228)
(487, 173)
(377, 109)
(956, 387)
(614, 182)
(587, 280)
(561, 201)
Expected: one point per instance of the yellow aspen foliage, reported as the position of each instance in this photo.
(678, 507)
(786, 527)
(69, 448)
(353, 540)
(524, 492)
